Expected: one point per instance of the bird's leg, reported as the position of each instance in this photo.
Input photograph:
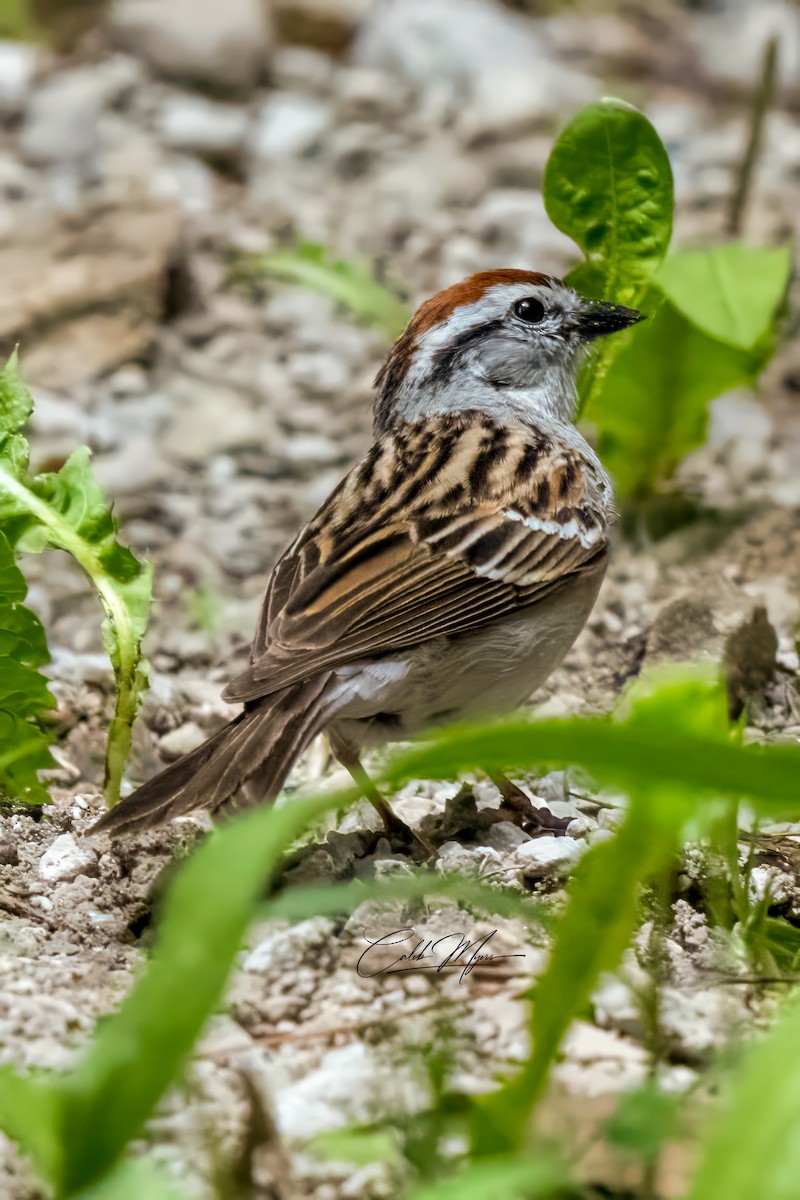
(349, 758)
(518, 808)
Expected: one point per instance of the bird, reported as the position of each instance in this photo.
(448, 573)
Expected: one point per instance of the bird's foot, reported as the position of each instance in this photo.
(518, 808)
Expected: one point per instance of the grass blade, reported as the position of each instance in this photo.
(139, 1051)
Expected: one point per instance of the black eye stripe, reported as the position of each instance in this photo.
(530, 310)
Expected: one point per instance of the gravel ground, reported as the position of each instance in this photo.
(131, 172)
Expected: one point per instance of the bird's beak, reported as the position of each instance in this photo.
(601, 318)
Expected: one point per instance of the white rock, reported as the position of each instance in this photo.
(288, 125)
(283, 950)
(430, 42)
(62, 120)
(222, 44)
(17, 65)
(772, 883)
(203, 127)
(548, 855)
(65, 860)
(346, 1088)
(510, 103)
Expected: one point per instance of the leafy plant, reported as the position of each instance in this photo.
(24, 694)
(66, 510)
(608, 185)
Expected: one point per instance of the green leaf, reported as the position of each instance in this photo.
(133, 1181)
(600, 919)
(503, 1178)
(141, 1179)
(651, 407)
(16, 402)
(644, 1119)
(24, 692)
(729, 292)
(350, 283)
(752, 1147)
(137, 1053)
(608, 186)
(357, 1146)
(625, 754)
(29, 1116)
(68, 510)
(590, 938)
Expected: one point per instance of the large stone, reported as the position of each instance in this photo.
(62, 124)
(216, 44)
(85, 295)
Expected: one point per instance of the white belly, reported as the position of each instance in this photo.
(477, 675)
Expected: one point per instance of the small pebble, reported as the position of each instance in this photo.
(65, 860)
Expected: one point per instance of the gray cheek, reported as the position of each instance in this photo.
(506, 362)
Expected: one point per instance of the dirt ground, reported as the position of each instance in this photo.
(220, 416)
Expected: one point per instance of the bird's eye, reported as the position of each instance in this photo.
(529, 310)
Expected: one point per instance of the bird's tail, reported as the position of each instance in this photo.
(259, 746)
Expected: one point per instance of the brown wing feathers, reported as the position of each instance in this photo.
(487, 518)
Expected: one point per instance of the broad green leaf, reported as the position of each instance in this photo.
(501, 1178)
(137, 1053)
(608, 186)
(24, 692)
(651, 407)
(24, 752)
(68, 510)
(16, 403)
(729, 292)
(752, 1147)
(349, 283)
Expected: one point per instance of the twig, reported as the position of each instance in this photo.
(763, 99)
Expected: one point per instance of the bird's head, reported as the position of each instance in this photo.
(508, 341)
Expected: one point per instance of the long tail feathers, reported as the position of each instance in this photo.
(258, 748)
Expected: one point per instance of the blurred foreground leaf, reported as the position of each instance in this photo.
(86, 1117)
(603, 909)
(752, 1148)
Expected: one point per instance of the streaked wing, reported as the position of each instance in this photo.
(445, 527)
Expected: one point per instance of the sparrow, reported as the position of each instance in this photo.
(448, 573)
